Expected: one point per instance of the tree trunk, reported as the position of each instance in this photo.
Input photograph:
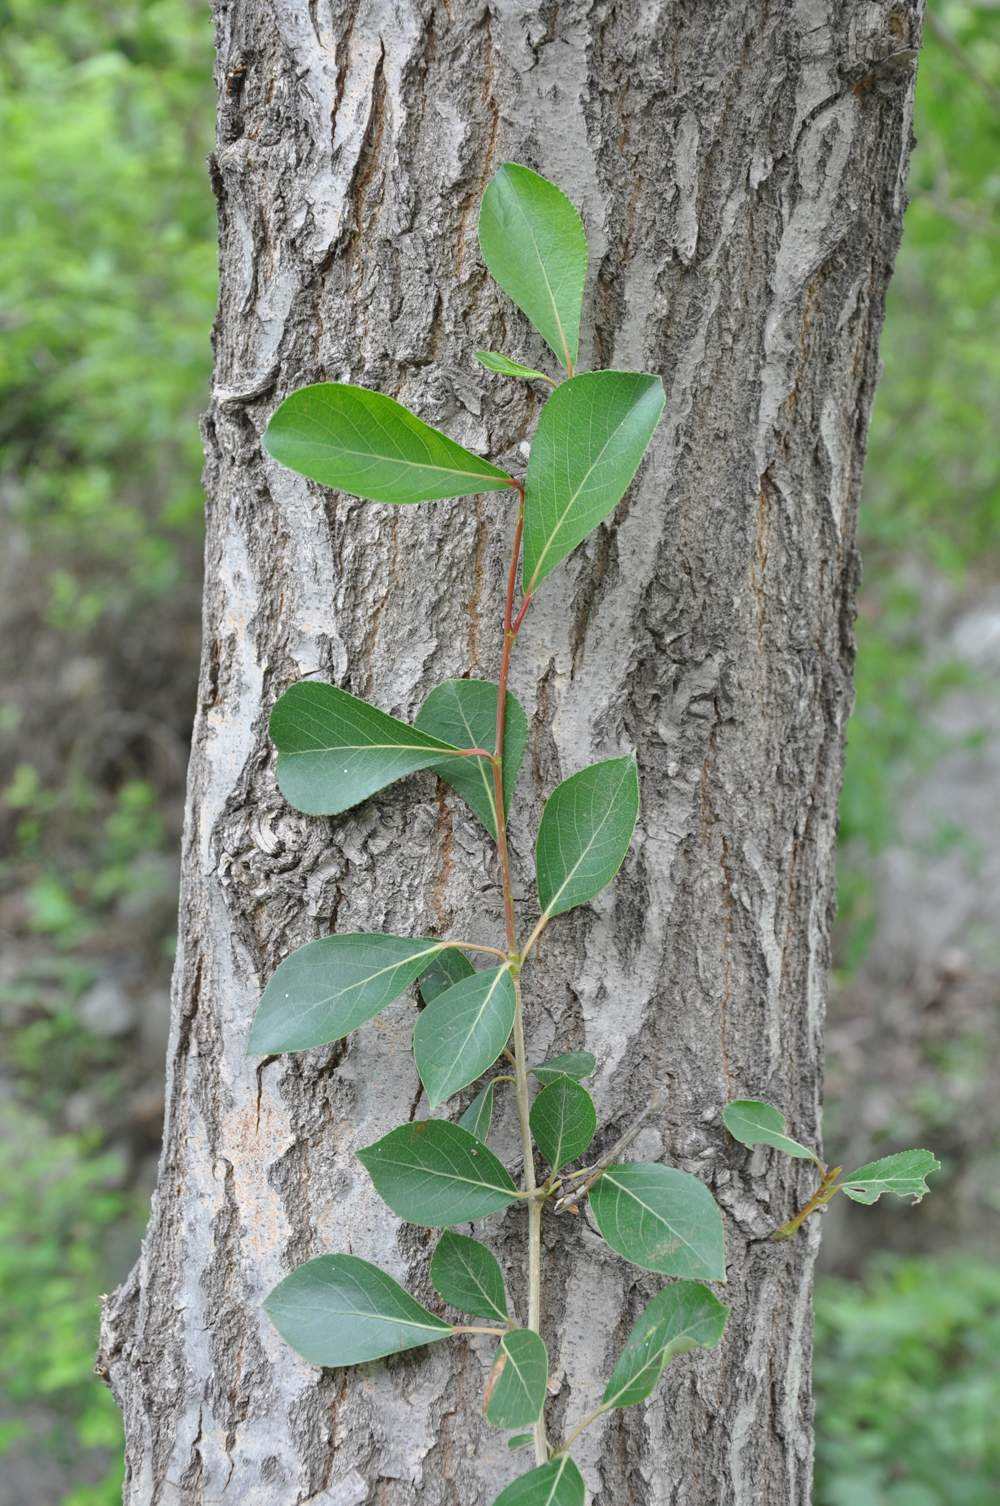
(740, 171)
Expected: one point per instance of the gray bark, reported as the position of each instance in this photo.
(740, 170)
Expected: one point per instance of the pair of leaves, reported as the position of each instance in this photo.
(661, 1219)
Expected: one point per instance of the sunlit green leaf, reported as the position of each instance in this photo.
(467, 1275)
(584, 833)
(327, 988)
(334, 750)
(435, 1173)
(563, 1121)
(447, 968)
(661, 1219)
(558, 1483)
(591, 437)
(463, 1032)
(515, 1391)
(464, 714)
(683, 1316)
(904, 1175)
(339, 1310)
(575, 1064)
(368, 444)
(493, 360)
(533, 242)
(754, 1123)
(479, 1115)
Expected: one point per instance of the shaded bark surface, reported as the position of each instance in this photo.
(740, 171)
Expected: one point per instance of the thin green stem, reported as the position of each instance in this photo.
(478, 1328)
(475, 946)
(574, 1435)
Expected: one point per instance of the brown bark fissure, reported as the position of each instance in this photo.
(740, 169)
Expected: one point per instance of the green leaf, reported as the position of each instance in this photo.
(515, 1391)
(584, 833)
(575, 1064)
(520, 1440)
(679, 1318)
(335, 751)
(563, 1121)
(661, 1219)
(339, 1310)
(494, 360)
(558, 1483)
(448, 967)
(591, 437)
(479, 1115)
(467, 1275)
(435, 1173)
(327, 988)
(464, 714)
(534, 243)
(904, 1175)
(366, 443)
(463, 1032)
(754, 1123)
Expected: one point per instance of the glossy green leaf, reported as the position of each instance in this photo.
(754, 1123)
(327, 988)
(904, 1175)
(534, 243)
(339, 1310)
(558, 1483)
(447, 968)
(520, 1440)
(584, 833)
(575, 1064)
(435, 1173)
(334, 750)
(463, 1032)
(479, 1115)
(464, 714)
(681, 1317)
(563, 1121)
(368, 444)
(494, 360)
(467, 1275)
(515, 1391)
(661, 1219)
(591, 437)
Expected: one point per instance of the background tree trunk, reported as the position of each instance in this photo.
(740, 172)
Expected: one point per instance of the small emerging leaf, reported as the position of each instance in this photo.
(327, 988)
(463, 1032)
(904, 1175)
(683, 1316)
(448, 967)
(368, 444)
(515, 1391)
(584, 833)
(435, 1173)
(534, 243)
(754, 1123)
(558, 1483)
(479, 1115)
(464, 714)
(493, 360)
(563, 1121)
(519, 1440)
(340, 1310)
(467, 1275)
(661, 1219)
(575, 1064)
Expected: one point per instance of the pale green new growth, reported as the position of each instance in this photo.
(494, 360)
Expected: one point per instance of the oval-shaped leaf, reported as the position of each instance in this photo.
(494, 360)
(463, 1032)
(435, 1173)
(584, 833)
(368, 444)
(448, 967)
(464, 714)
(334, 750)
(479, 1115)
(467, 1275)
(558, 1483)
(327, 988)
(575, 1064)
(515, 1391)
(661, 1219)
(563, 1121)
(340, 1310)
(591, 437)
(904, 1175)
(534, 243)
(683, 1316)
(754, 1123)
(520, 1440)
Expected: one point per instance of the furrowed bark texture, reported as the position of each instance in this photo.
(740, 170)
